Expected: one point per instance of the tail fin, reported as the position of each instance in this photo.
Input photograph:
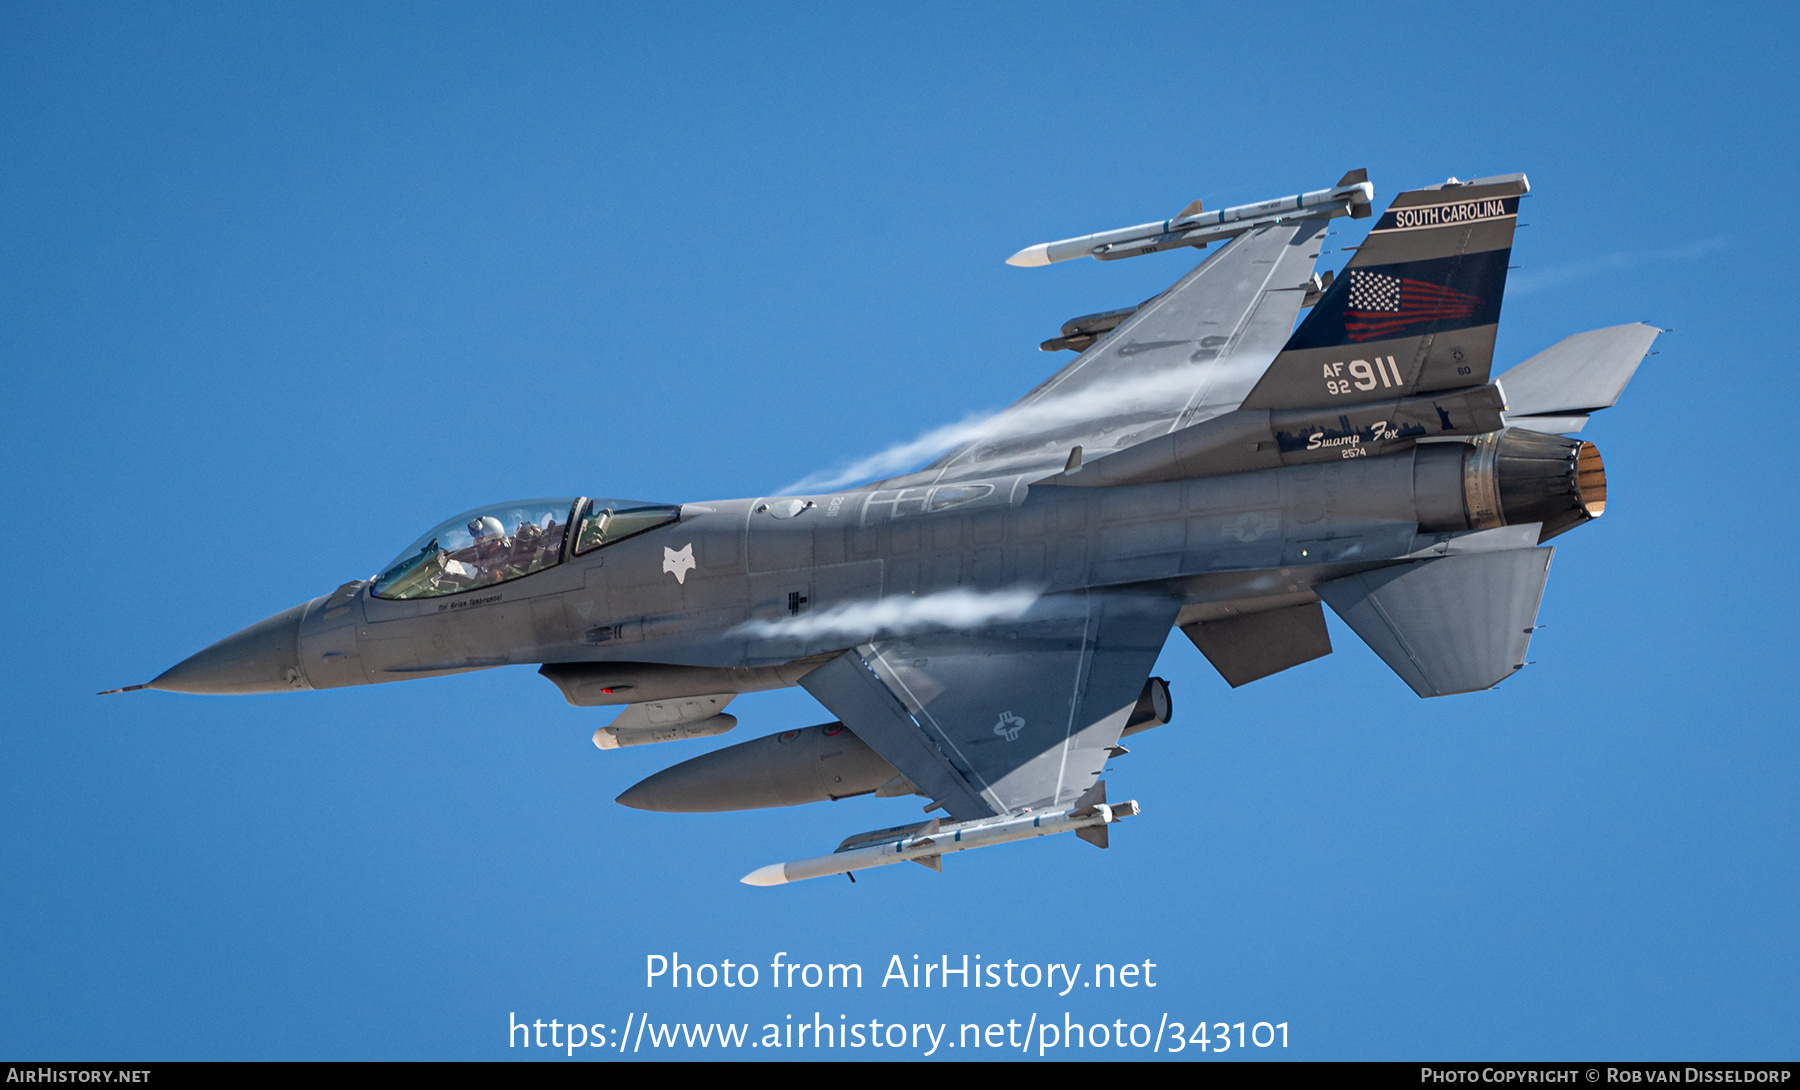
(1416, 309)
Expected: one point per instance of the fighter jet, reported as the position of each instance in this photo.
(983, 629)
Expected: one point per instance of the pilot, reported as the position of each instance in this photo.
(527, 547)
(490, 546)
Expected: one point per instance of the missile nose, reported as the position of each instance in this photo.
(264, 658)
(1031, 257)
(775, 874)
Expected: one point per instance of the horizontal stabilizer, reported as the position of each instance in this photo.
(1555, 390)
(1451, 625)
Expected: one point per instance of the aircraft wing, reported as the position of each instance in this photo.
(1006, 717)
(1189, 354)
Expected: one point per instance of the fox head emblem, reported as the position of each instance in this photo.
(679, 562)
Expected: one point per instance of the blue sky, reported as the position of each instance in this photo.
(285, 286)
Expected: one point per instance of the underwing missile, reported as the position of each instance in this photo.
(1350, 197)
(929, 842)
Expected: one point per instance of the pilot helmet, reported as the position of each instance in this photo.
(485, 527)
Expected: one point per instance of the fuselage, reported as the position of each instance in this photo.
(737, 595)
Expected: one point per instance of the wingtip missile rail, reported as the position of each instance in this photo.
(928, 842)
(1352, 196)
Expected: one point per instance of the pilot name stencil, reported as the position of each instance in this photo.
(465, 603)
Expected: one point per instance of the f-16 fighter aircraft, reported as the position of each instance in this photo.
(983, 629)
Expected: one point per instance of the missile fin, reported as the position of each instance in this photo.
(1092, 797)
(1095, 835)
(936, 862)
(877, 836)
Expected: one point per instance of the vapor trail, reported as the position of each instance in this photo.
(958, 609)
(1164, 392)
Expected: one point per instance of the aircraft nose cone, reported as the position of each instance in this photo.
(264, 658)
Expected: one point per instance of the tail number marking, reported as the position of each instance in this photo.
(1363, 375)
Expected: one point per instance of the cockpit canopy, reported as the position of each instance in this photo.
(491, 545)
(606, 521)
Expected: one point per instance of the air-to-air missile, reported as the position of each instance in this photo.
(926, 843)
(1193, 226)
(982, 631)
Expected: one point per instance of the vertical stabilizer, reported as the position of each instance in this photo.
(1416, 309)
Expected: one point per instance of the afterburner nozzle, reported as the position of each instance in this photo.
(1518, 476)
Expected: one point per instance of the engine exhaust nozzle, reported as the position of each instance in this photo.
(1517, 476)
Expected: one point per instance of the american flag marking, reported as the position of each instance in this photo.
(1381, 305)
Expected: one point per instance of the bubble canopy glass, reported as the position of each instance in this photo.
(491, 545)
(478, 549)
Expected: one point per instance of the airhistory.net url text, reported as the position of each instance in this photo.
(1040, 1035)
